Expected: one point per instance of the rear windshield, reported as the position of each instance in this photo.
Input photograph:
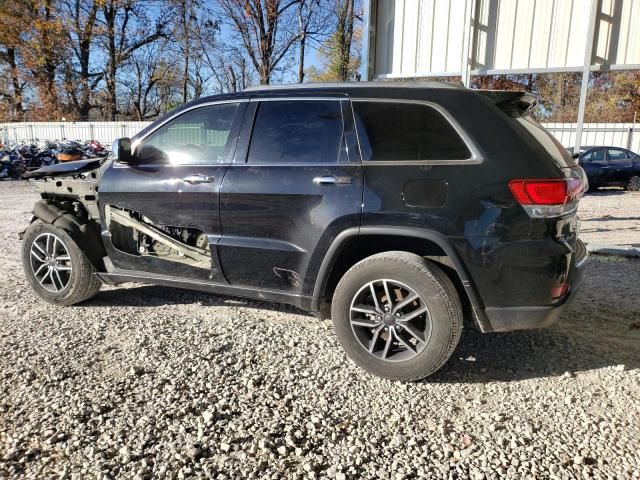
(553, 147)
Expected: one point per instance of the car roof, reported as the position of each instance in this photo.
(344, 88)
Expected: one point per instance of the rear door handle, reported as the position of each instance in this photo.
(332, 180)
(198, 178)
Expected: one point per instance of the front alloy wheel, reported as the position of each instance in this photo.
(51, 262)
(56, 268)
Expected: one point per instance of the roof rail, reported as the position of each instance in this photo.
(312, 85)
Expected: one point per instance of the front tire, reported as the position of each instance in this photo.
(55, 266)
(397, 315)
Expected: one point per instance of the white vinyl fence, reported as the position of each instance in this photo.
(624, 135)
(104, 132)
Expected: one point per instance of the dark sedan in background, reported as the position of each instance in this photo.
(610, 167)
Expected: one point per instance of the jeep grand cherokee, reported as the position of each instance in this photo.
(398, 210)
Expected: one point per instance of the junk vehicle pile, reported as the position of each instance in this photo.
(16, 159)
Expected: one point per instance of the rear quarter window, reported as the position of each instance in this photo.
(547, 141)
(390, 131)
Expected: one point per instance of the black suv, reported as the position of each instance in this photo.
(400, 211)
(611, 167)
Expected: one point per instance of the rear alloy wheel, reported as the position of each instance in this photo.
(390, 320)
(397, 315)
(634, 184)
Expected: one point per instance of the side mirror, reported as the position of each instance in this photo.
(121, 150)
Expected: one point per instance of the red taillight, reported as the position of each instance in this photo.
(546, 192)
(540, 196)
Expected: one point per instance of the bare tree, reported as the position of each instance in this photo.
(80, 82)
(313, 22)
(146, 71)
(125, 32)
(267, 31)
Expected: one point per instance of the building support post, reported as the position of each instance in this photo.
(367, 62)
(586, 70)
(468, 42)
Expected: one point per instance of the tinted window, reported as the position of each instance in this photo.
(406, 132)
(297, 131)
(594, 156)
(616, 155)
(197, 137)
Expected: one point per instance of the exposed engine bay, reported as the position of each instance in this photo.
(74, 190)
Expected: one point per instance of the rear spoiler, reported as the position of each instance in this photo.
(514, 104)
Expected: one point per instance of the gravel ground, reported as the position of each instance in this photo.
(611, 217)
(149, 382)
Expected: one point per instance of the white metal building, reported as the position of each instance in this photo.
(436, 38)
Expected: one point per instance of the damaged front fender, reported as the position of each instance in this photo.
(85, 233)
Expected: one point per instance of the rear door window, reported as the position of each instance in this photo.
(617, 156)
(400, 132)
(296, 131)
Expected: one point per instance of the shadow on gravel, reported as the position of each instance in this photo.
(600, 329)
(606, 192)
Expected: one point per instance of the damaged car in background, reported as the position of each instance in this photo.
(403, 212)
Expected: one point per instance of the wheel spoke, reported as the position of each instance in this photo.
(406, 344)
(386, 291)
(412, 331)
(375, 297)
(55, 243)
(42, 260)
(365, 322)
(35, 244)
(414, 314)
(45, 276)
(405, 302)
(63, 258)
(387, 346)
(374, 338)
(39, 269)
(365, 309)
(64, 268)
(47, 245)
(62, 285)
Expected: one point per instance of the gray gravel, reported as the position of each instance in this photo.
(150, 382)
(611, 216)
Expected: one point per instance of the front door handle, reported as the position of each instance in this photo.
(198, 178)
(332, 180)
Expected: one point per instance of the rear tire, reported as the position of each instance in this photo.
(55, 266)
(398, 343)
(633, 185)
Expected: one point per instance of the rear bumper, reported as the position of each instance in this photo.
(505, 319)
